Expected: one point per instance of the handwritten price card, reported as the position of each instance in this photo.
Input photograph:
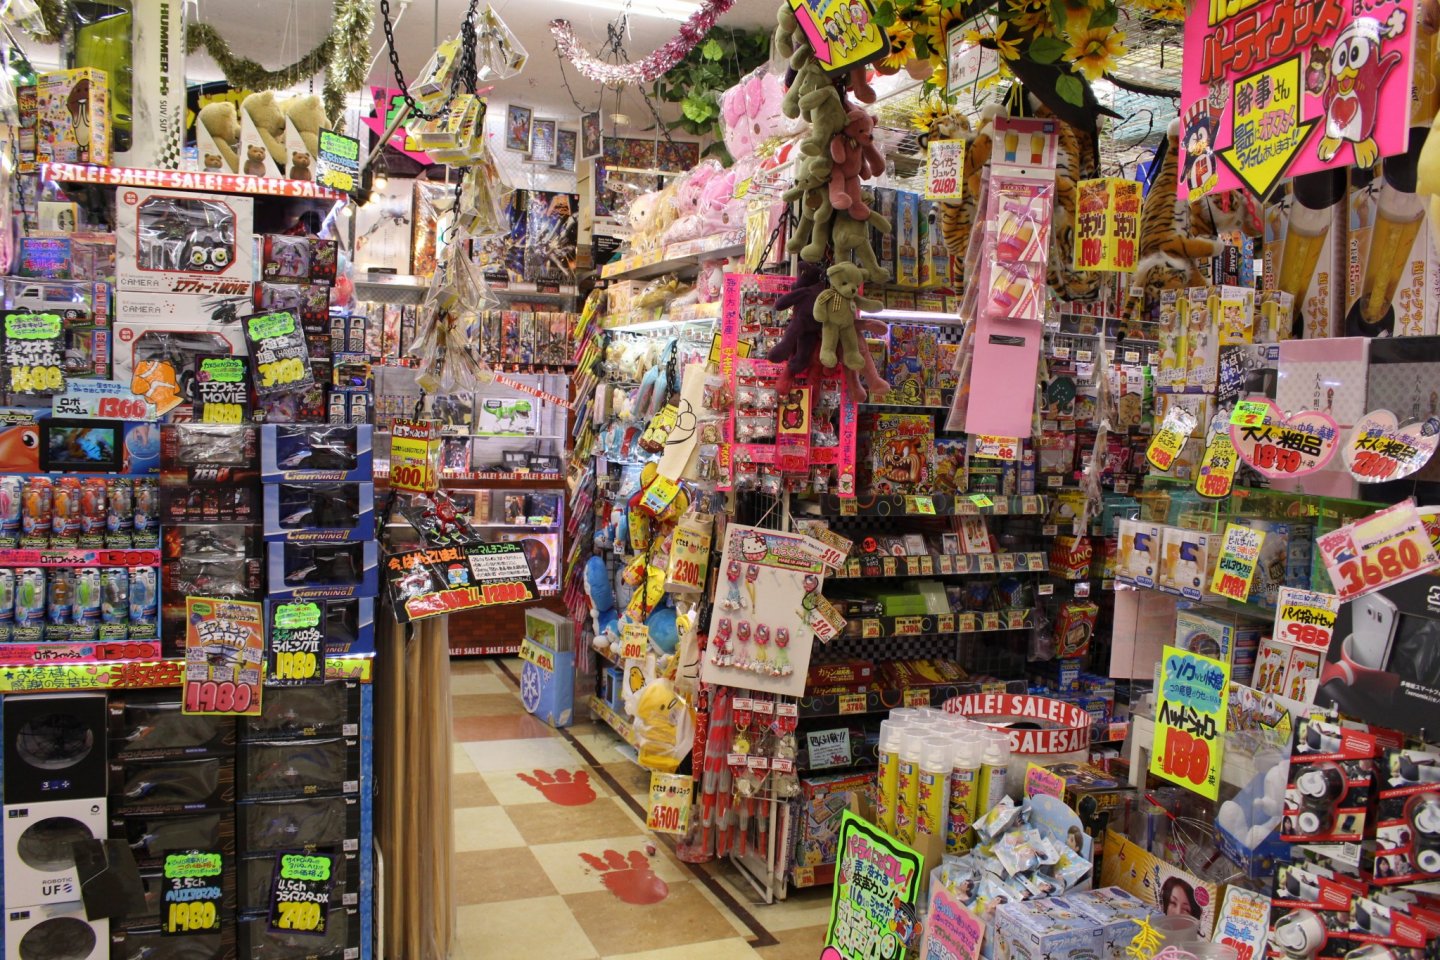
(1107, 228)
(670, 795)
(1380, 449)
(297, 645)
(1244, 922)
(952, 932)
(224, 651)
(1378, 550)
(415, 455)
(1281, 448)
(1239, 554)
(34, 352)
(1190, 721)
(277, 346)
(1216, 475)
(300, 892)
(944, 161)
(222, 389)
(877, 885)
(1306, 618)
(1170, 438)
(190, 895)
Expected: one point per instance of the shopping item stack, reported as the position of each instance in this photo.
(55, 776)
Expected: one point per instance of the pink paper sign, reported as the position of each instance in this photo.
(951, 930)
(1276, 88)
(1281, 448)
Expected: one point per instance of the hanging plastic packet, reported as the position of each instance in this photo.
(497, 49)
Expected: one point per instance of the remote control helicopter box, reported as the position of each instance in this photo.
(300, 452)
(183, 243)
(319, 512)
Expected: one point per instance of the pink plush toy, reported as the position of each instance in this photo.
(751, 113)
(719, 210)
(855, 156)
(689, 199)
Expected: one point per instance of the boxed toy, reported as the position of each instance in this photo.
(264, 826)
(32, 932)
(324, 711)
(187, 785)
(39, 865)
(548, 673)
(907, 239)
(1116, 911)
(901, 447)
(1331, 376)
(185, 243)
(305, 452)
(1222, 636)
(1184, 561)
(319, 512)
(149, 836)
(72, 116)
(1045, 930)
(287, 769)
(1408, 817)
(158, 358)
(148, 724)
(255, 876)
(1285, 556)
(1139, 558)
(1202, 341)
(54, 745)
(823, 799)
(329, 571)
(1232, 312)
(1303, 251)
(1331, 777)
(341, 938)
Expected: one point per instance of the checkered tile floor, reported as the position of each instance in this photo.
(548, 823)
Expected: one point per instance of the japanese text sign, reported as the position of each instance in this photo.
(282, 358)
(1306, 618)
(415, 455)
(877, 885)
(1217, 467)
(190, 894)
(222, 389)
(842, 33)
(34, 352)
(224, 651)
(952, 932)
(1235, 570)
(297, 644)
(944, 169)
(670, 795)
(1378, 550)
(1287, 448)
(1277, 88)
(1380, 449)
(300, 892)
(1190, 721)
(1107, 223)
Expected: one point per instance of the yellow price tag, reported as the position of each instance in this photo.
(851, 703)
(1250, 413)
(634, 641)
(980, 500)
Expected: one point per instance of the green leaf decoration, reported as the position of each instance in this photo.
(1047, 49)
(885, 14)
(1070, 88)
(712, 50)
(1105, 17)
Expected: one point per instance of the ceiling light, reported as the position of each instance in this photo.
(663, 9)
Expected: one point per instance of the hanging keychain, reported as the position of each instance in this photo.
(742, 646)
(752, 573)
(782, 657)
(762, 657)
(723, 653)
(733, 600)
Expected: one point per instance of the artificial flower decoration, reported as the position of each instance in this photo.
(1032, 17)
(1079, 13)
(902, 47)
(1093, 51)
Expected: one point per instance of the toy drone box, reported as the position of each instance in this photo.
(60, 930)
(183, 243)
(39, 867)
(547, 678)
(319, 512)
(309, 453)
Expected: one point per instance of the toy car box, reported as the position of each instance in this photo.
(315, 452)
(319, 512)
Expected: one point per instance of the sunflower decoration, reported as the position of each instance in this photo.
(1094, 50)
(1167, 11)
(902, 47)
(1079, 13)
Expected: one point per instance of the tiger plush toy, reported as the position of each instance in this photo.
(1170, 250)
(1076, 159)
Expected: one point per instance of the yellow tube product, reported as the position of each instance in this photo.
(891, 735)
(964, 799)
(908, 785)
(932, 796)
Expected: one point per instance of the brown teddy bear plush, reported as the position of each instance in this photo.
(269, 120)
(255, 161)
(855, 156)
(307, 113)
(222, 122)
(837, 309)
(300, 166)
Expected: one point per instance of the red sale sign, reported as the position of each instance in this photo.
(1378, 550)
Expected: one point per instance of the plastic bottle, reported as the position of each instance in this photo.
(908, 783)
(933, 794)
(994, 768)
(964, 794)
(891, 736)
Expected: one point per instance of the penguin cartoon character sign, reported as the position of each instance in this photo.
(1272, 89)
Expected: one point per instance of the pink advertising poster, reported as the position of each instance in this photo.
(1276, 88)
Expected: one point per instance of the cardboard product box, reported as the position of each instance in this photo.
(311, 823)
(1232, 311)
(907, 239)
(1404, 378)
(306, 713)
(1202, 339)
(138, 341)
(1221, 636)
(288, 769)
(149, 836)
(547, 680)
(322, 572)
(172, 786)
(1391, 269)
(299, 453)
(1304, 247)
(72, 116)
(823, 799)
(1171, 333)
(1247, 371)
(1184, 561)
(319, 513)
(1139, 552)
(1285, 556)
(885, 204)
(1118, 912)
(1046, 930)
(39, 866)
(32, 932)
(187, 243)
(1092, 793)
(341, 940)
(149, 724)
(1331, 376)
(254, 876)
(54, 747)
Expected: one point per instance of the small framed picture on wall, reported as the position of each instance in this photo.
(566, 143)
(517, 128)
(542, 141)
(590, 140)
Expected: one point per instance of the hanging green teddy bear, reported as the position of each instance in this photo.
(838, 309)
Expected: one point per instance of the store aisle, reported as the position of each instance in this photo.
(549, 824)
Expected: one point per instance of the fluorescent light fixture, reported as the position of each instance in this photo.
(913, 316)
(663, 9)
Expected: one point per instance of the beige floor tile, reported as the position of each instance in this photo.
(471, 683)
(571, 874)
(485, 828)
(467, 665)
(566, 786)
(539, 927)
(470, 790)
(510, 726)
(460, 762)
(485, 705)
(735, 948)
(535, 753)
(491, 876)
(804, 943)
(615, 927)
(550, 823)
(603, 745)
(802, 908)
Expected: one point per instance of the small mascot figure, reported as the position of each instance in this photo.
(1350, 83)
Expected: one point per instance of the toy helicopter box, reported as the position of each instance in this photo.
(310, 453)
(319, 512)
(547, 678)
(331, 571)
(175, 329)
(183, 243)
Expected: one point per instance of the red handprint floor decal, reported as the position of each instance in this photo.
(630, 879)
(562, 787)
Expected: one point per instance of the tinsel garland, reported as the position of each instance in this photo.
(655, 65)
(344, 54)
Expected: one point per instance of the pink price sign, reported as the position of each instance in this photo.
(1276, 88)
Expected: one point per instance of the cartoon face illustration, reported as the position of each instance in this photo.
(752, 547)
(1351, 82)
